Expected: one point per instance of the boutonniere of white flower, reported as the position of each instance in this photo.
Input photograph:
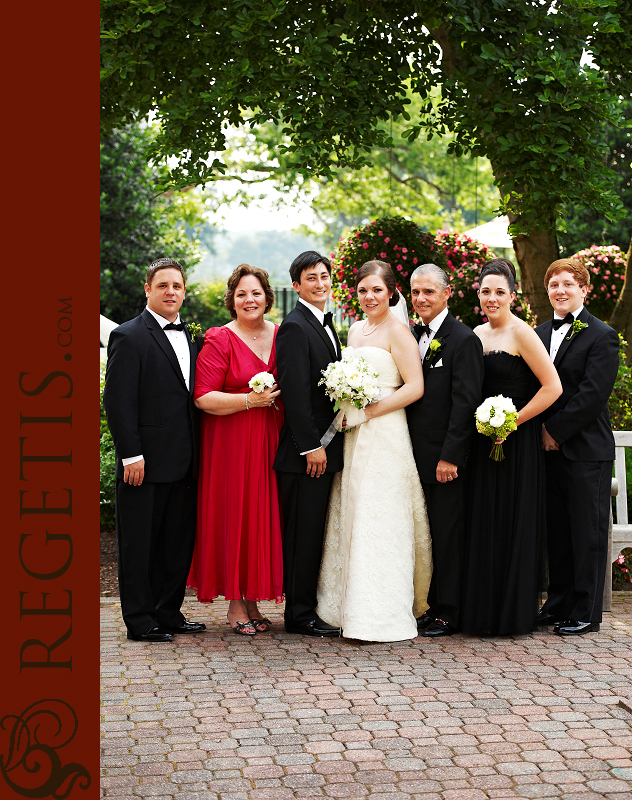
(576, 327)
(195, 330)
(434, 347)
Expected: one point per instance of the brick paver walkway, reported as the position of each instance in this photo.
(281, 716)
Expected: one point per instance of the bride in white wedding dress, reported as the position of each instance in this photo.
(377, 559)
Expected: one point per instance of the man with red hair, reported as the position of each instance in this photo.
(579, 445)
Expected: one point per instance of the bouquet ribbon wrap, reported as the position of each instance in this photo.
(355, 416)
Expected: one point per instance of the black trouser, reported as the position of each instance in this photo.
(445, 503)
(304, 501)
(155, 527)
(578, 511)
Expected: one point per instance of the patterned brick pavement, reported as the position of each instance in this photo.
(280, 716)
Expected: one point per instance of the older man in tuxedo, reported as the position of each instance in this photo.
(579, 445)
(441, 427)
(154, 424)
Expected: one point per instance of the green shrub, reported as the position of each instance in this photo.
(107, 463)
(620, 403)
(620, 408)
(204, 304)
(108, 482)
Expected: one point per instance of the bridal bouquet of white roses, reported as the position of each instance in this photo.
(496, 417)
(352, 384)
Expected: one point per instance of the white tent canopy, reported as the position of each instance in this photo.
(107, 326)
(493, 234)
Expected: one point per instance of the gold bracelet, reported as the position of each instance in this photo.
(247, 406)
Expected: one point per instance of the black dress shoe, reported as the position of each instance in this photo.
(155, 634)
(544, 618)
(424, 620)
(571, 627)
(315, 627)
(439, 628)
(188, 627)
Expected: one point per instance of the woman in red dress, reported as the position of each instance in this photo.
(238, 548)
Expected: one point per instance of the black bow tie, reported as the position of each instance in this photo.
(557, 323)
(425, 329)
(328, 320)
(171, 326)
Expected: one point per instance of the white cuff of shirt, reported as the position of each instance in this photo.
(128, 461)
(310, 451)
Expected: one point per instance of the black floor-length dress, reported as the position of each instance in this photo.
(504, 552)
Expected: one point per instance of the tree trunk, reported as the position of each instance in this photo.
(534, 253)
(621, 319)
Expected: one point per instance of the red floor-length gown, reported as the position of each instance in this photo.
(238, 545)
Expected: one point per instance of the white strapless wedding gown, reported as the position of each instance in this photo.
(377, 558)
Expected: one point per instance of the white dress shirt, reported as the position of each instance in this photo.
(178, 340)
(434, 325)
(320, 316)
(557, 336)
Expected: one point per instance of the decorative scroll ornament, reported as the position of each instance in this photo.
(29, 762)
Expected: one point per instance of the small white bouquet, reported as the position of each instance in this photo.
(496, 417)
(352, 384)
(262, 381)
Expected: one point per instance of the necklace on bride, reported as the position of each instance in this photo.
(375, 328)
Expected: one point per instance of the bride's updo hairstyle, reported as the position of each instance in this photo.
(382, 269)
(502, 267)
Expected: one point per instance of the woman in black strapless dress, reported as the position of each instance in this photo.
(507, 522)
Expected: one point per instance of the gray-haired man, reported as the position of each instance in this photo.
(441, 426)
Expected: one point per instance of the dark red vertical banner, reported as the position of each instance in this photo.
(49, 585)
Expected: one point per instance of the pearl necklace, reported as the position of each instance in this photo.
(374, 329)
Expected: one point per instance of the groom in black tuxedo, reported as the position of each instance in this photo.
(441, 426)
(148, 402)
(306, 343)
(579, 445)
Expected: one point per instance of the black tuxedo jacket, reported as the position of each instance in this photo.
(587, 364)
(148, 407)
(303, 350)
(441, 423)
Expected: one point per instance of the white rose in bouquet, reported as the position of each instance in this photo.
(261, 381)
(483, 413)
(352, 384)
(496, 417)
(347, 354)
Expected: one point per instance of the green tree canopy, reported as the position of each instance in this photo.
(137, 224)
(416, 178)
(584, 225)
(504, 77)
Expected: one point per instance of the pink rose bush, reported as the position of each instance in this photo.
(395, 240)
(404, 245)
(606, 265)
(465, 258)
